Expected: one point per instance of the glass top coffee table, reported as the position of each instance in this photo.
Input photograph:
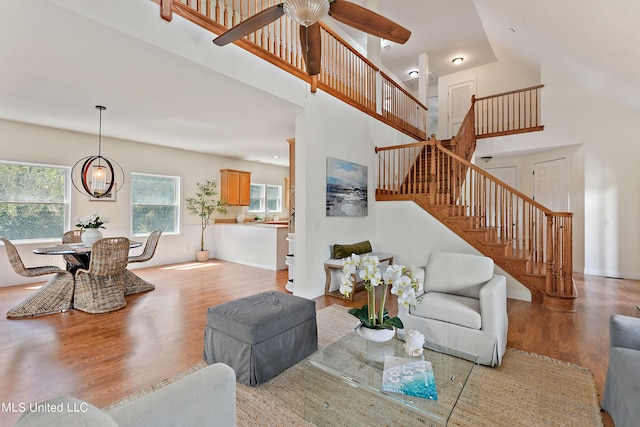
(343, 385)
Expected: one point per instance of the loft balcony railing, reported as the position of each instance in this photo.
(507, 113)
(345, 73)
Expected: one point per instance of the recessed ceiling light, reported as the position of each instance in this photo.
(276, 157)
(457, 61)
(413, 74)
(385, 44)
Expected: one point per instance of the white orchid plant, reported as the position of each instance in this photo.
(91, 221)
(404, 284)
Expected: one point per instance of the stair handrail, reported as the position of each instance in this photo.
(503, 184)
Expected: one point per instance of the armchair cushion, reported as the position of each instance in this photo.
(450, 308)
(457, 274)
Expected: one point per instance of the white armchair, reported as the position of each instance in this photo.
(462, 306)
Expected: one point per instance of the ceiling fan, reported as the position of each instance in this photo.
(307, 13)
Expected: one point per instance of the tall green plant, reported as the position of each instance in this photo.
(205, 205)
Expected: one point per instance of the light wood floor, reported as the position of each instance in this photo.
(101, 358)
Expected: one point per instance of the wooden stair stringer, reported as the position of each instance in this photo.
(515, 266)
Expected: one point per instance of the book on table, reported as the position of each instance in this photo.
(410, 377)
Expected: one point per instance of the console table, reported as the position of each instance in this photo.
(336, 264)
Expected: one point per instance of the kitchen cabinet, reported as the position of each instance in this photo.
(235, 187)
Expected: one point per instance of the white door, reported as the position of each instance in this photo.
(459, 100)
(551, 184)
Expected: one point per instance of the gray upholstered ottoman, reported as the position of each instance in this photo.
(261, 335)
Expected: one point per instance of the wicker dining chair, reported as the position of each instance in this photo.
(136, 284)
(54, 296)
(100, 289)
(149, 248)
(72, 236)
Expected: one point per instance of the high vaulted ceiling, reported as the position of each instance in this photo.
(57, 64)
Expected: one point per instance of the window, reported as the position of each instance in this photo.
(274, 198)
(34, 201)
(154, 204)
(264, 195)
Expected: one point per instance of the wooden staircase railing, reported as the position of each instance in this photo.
(527, 240)
(345, 73)
(507, 113)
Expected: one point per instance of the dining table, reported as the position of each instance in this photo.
(79, 251)
(133, 284)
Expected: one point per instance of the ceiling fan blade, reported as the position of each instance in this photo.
(249, 25)
(311, 43)
(368, 21)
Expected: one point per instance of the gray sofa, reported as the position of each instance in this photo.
(622, 387)
(206, 397)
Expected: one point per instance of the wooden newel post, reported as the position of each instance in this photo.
(166, 9)
(550, 252)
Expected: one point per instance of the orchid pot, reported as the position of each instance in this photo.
(400, 279)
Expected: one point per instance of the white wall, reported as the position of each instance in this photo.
(330, 128)
(36, 144)
(610, 136)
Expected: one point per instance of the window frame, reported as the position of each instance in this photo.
(263, 200)
(66, 202)
(177, 203)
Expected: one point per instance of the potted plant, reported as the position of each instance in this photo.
(376, 325)
(205, 205)
(91, 224)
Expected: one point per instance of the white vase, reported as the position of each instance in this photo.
(90, 236)
(376, 335)
(240, 218)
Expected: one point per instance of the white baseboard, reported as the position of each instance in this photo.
(519, 295)
(614, 274)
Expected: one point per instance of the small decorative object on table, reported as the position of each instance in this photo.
(91, 224)
(413, 343)
(403, 284)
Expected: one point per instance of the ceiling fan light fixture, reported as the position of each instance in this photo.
(306, 12)
(413, 74)
(457, 61)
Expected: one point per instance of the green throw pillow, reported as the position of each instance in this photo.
(343, 251)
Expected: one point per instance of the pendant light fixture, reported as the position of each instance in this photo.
(96, 176)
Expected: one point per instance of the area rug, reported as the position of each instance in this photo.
(527, 390)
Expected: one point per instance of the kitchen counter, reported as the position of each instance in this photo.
(261, 244)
